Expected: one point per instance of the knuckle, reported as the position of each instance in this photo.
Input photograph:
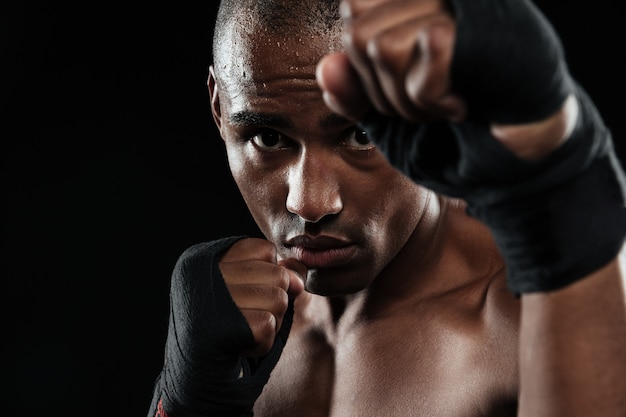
(250, 249)
(380, 48)
(283, 278)
(438, 39)
(281, 300)
(417, 91)
(265, 331)
(356, 38)
(272, 299)
(440, 35)
(351, 9)
(428, 79)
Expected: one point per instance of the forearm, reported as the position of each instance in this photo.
(573, 340)
(573, 348)
(212, 364)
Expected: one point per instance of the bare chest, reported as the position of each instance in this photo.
(439, 369)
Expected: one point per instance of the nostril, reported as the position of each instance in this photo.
(313, 205)
(313, 188)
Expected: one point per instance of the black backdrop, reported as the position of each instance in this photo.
(111, 167)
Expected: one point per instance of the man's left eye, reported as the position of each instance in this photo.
(358, 139)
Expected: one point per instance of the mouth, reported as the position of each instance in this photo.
(322, 251)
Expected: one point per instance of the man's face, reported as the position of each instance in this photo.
(316, 186)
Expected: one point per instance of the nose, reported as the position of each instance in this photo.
(313, 188)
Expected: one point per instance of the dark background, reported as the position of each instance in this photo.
(111, 167)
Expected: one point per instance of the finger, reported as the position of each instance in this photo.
(274, 300)
(365, 22)
(297, 276)
(412, 63)
(264, 328)
(355, 39)
(349, 9)
(427, 82)
(365, 72)
(255, 273)
(250, 248)
(392, 54)
(343, 92)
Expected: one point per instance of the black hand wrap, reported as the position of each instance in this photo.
(508, 62)
(201, 376)
(554, 221)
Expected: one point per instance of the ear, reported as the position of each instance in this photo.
(215, 98)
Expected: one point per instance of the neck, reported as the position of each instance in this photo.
(418, 256)
(447, 252)
(413, 271)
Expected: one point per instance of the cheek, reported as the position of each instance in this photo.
(396, 214)
(261, 191)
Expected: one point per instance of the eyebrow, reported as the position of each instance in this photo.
(247, 118)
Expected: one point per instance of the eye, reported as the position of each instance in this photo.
(269, 140)
(358, 139)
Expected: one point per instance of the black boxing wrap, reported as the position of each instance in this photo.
(202, 375)
(508, 62)
(554, 221)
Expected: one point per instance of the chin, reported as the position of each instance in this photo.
(335, 284)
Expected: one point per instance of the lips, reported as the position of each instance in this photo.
(321, 251)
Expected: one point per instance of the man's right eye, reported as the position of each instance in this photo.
(269, 140)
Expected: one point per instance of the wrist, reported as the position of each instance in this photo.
(533, 141)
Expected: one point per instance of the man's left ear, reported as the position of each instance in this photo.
(215, 98)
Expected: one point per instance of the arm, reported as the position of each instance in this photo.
(541, 185)
(573, 348)
(230, 315)
(573, 340)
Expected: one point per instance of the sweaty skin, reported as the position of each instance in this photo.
(406, 310)
(401, 307)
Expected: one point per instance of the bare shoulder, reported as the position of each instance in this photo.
(477, 254)
(502, 307)
(411, 359)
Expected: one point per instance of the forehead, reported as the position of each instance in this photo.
(253, 61)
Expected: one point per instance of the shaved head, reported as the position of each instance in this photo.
(289, 18)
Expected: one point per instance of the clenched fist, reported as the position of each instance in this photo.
(261, 287)
(231, 310)
(398, 59)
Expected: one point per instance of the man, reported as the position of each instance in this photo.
(376, 293)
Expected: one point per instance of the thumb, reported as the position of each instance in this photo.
(296, 278)
(341, 85)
